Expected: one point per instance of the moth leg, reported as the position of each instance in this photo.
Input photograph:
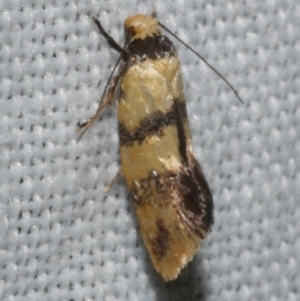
(111, 84)
(107, 97)
(112, 182)
(154, 13)
(105, 101)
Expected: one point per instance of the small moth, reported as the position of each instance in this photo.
(173, 202)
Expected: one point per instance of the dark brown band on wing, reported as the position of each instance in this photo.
(160, 243)
(153, 124)
(152, 47)
(182, 139)
(197, 203)
(188, 192)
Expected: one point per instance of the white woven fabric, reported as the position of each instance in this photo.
(61, 239)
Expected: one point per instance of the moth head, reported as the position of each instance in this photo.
(140, 26)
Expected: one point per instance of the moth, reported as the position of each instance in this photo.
(174, 204)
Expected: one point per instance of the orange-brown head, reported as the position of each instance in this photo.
(140, 26)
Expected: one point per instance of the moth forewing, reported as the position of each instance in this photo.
(173, 202)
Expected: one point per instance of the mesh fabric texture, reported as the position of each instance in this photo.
(61, 238)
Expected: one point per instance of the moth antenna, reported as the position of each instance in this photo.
(203, 59)
(112, 43)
